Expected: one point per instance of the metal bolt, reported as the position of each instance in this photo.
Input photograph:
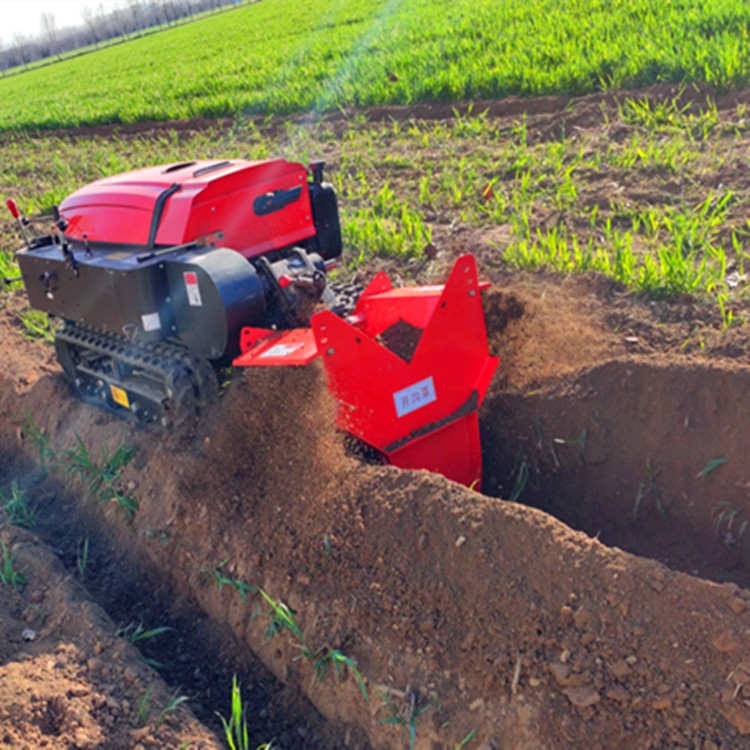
(471, 292)
(330, 351)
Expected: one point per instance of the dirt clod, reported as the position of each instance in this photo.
(620, 669)
(582, 619)
(726, 642)
(738, 717)
(581, 696)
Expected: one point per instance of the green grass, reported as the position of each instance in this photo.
(469, 737)
(144, 706)
(724, 516)
(103, 476)
(82, 556)
(648, 491)
(8, 267)
(236, 732)
(80, 51)
(16, 507)
(406, 715)
(282, 619)
(174, 703)
(40, 440)
(8, 575)
(300, 55)
(711, 466)
(222, 579)
(36, 325)
(133, 633)
(645, 209)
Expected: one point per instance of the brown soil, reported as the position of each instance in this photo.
(66, 679)
(548, 116)
(608, 607)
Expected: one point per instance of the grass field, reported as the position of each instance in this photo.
(283, 56)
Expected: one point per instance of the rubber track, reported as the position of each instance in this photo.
(161, 360)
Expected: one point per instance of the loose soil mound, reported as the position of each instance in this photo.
(66, 679)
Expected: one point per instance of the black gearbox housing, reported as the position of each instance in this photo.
(109, 290)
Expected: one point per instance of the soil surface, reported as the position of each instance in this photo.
(595, 596)
(67, 679)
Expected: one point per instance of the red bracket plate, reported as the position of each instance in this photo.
(263, 347)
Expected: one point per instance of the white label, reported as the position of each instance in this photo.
(414, 397)
(193, 290)
(151, 322)
(281, 350)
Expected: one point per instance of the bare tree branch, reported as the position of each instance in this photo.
(49, 31)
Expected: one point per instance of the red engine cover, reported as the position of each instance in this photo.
(258, 206)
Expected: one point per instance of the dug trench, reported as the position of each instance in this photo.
(473, 621)
(648, 458)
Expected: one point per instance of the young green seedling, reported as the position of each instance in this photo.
(9, 576)
(406, 715)
(235, 730)
(82, 556)
(710, 467)
(16, 506)
(134, 633)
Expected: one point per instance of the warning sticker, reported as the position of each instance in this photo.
(280, 350)
(151, 322)
(414, 397)
(119, 396)
(193, 290)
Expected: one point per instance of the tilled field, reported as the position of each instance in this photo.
(595, 596)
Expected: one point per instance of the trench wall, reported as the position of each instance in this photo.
(652, 458)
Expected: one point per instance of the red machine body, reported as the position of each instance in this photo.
(152, 307)
(418, 405)
(257, 206)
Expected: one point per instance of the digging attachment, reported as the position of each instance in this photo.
(408, 369)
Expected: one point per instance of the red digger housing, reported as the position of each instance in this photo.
(417, 405)
(174, 205)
